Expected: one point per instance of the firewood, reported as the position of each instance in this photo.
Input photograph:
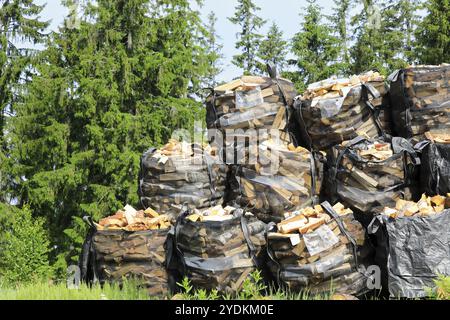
(181, 173)
(426, 90)
(278, 182)
(426, 206)
(330, 258)
(333, 110)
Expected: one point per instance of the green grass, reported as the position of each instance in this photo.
(253, 289)
(46, 291)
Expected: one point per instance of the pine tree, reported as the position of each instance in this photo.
(104, 93)
(433, 33)
(315, 49)
(213, 51)
(366, 52)
(248, 37)
(384, 35)
(273, 49)
(19, 23)
(340, 24)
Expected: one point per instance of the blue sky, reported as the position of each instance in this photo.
(284, 12)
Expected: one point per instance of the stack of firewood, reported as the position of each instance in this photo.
(284, 178)
(336, 110)
(427, 206)
(130, 219)
(129, 244)
(368, 174)
(315, 249)
(219, 247)
(180, 174)
(249, 109)
(420, 98)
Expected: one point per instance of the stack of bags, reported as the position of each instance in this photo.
(316, 249)
(336, 110)
(284, 178)
(219, 247)
(420, 100)
(181, 174)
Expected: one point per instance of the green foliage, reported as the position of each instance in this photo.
(442, 291)
(102, 95)
(252, 287)
(19, 23)
(248, 37)
(433, 33)
(340, 23)
(24, 249)
(315, 49)
(384, 35)
(128, 290)
(213, 52)
(273, 49)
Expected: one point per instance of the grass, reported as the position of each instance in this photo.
(253, 289)
(47, 291)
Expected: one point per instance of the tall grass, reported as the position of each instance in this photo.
(47, 291)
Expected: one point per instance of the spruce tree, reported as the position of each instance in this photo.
(433, 33)
(340, 23)
(213, 52)
(272, 49)
(19, 24)
(366, 51)
(248, 37)
(104, 93)
(315, 49)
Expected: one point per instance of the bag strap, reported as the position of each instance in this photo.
(250, 244)
(279, 280)
(342, 153)
(298, 105)
(313, 177)
(368, 89)
(178, 223)
(329, 209)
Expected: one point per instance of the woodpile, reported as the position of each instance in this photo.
(315, 249)
(284, 178)
(219, 248)
(427, 206)
(369, 174)
(251, 102)
(129, 245)
(336, 110)
(249, 110)
(132, 220)
(179, 174)
(420, 98)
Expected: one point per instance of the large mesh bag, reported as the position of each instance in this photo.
(220, 255)
(420, 100)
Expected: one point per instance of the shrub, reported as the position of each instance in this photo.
(24, 247)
